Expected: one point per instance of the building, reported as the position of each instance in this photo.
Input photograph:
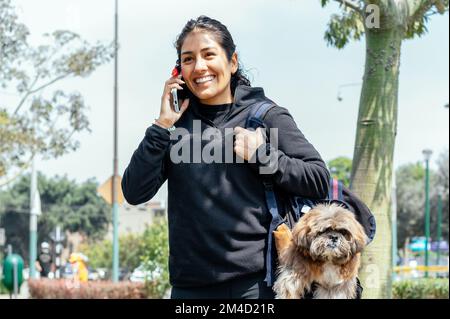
(135, 219)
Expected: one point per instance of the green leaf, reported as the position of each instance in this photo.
(323, 3)
(343, 28)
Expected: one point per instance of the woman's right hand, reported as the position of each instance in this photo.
(167, 116)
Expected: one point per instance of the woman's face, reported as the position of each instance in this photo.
(206, 69)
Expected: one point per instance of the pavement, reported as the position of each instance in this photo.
(23, 293)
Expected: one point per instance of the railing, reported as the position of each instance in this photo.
(421, 268)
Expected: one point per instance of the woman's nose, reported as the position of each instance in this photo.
(200, 65)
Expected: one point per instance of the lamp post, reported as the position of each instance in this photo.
(115, 208)
(394, 221)
(339, 95)
(427, 155)
(439, 226)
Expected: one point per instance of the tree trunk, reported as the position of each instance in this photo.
(374, 149)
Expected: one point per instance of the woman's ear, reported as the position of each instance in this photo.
(234, 63)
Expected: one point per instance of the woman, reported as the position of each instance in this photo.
(218, 220)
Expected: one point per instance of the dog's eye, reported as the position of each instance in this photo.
(345, 233)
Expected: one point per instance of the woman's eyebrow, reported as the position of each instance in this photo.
(204, 49)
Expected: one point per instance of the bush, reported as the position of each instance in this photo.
(67, 289)
(156, 259)
(3, 289)
(421, 289)
(149, 249)
(100, 253)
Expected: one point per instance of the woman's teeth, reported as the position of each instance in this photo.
(204, 79)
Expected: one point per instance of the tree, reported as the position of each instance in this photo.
(41, 123)
(411, 199)
(77, 208)
(384, 24)
(341, 168)
(440, 185)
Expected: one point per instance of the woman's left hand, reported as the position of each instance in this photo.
(247, 142)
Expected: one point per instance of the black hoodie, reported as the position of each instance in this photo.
(218, 219)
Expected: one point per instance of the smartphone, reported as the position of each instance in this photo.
(176, 105)
(178, 95)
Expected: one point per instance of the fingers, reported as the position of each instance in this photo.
(174, 85)
(184, 106)
(175, 80)
(239, 129)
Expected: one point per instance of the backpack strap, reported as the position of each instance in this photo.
(276, 221)
(254, 120)
(257, 114)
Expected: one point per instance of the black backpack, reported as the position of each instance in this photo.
(295, 207)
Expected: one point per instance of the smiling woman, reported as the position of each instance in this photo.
(218, 218)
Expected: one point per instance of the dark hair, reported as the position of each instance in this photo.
(223, 37)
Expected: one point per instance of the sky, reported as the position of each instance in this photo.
(279, 42)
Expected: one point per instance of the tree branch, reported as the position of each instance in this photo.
(418, 8)
(350, 4)
(38, 89)
(22, 169)
(50, 83)
(25, 96)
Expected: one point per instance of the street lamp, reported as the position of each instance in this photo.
(427, 155)
(339, 95)
(439, 224)
(114, 190)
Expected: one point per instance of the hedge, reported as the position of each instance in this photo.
(67, 289)
(421, 289)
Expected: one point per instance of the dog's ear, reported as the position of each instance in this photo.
(359, 240)
(300, 235)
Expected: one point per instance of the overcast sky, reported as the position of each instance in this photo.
(280, 42)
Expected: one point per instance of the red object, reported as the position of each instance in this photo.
(175, 72)
(335, 189)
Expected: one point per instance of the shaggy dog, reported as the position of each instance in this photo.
(324, 253)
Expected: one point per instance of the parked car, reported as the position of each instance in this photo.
(140, 274)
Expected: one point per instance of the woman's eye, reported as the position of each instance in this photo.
(186, 60)
(210, 54)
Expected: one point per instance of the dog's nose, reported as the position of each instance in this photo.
(334, 238)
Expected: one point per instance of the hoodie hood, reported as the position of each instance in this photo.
(244, 96)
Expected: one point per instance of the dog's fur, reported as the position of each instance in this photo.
(324, 249)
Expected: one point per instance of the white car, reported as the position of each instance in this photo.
(141, 275)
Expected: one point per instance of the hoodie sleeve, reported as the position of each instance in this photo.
(294, 164)
(146, 171)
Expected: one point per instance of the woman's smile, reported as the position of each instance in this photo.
(204, 80)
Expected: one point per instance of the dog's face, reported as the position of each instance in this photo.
(329, 233)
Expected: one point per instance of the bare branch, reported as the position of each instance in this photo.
(50, 83)
(351, 4)
(27, 94)
(38, 89)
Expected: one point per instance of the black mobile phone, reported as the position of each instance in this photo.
(178, 96)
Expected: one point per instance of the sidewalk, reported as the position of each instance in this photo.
(23, 294)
